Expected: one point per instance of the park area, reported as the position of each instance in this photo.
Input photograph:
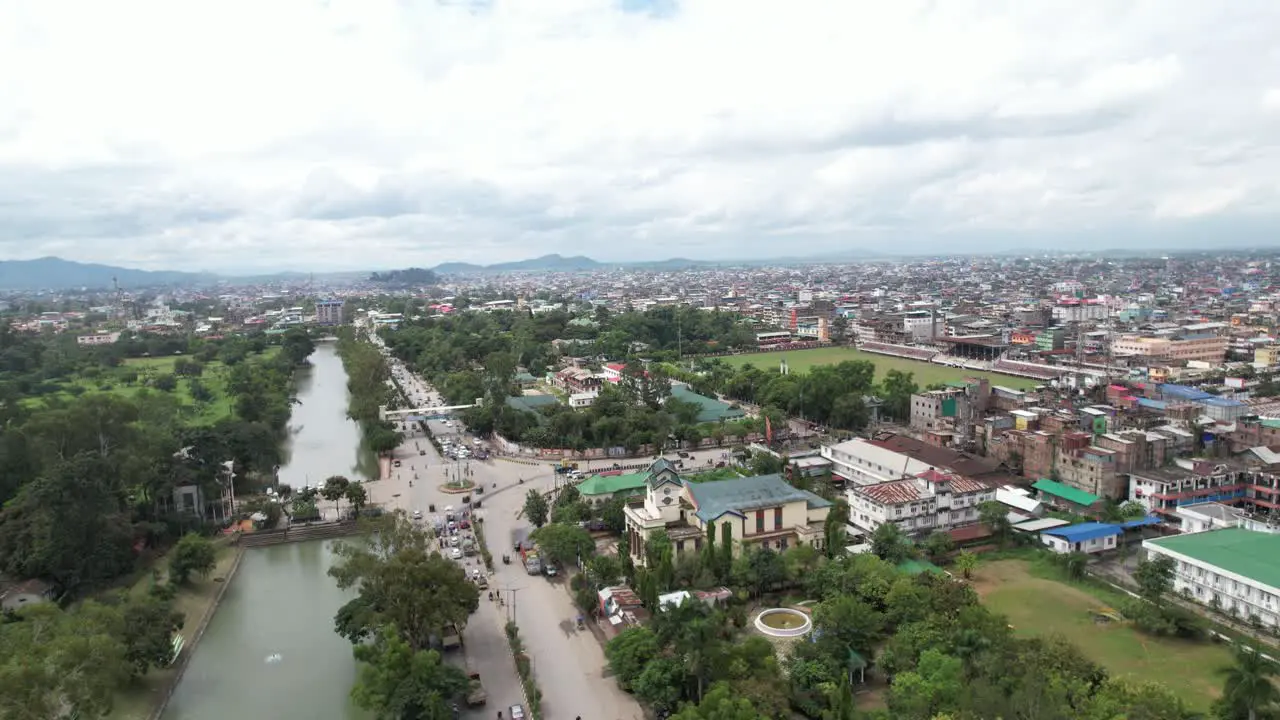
(207, 404)
(926, 373)
(1043, 606)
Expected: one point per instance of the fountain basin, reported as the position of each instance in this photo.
(783, 622)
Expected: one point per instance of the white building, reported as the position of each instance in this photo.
(583, 399)
(1089, 538)
(1203, 517)
(1235, 570)
(929, 501)
(98, 338)
(863, 463)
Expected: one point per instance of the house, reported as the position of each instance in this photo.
(1019, 498)
(1066, 497)
(621, 608)
(1090, 538)
(861, 462)
(930, 501)
(1203, 517)
(1188, 482)
(16, 595)
(600, 489)
(1235, 570)
(762, 511)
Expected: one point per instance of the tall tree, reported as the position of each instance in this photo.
(397, 682)
(59, 665)
(536, 509)
(1249, 683)
(335, 489)
(400, 582)
(192, 554)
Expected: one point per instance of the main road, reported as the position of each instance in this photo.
(568, 664)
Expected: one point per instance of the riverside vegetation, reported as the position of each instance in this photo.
(96, 440)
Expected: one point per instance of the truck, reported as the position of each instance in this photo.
(468, 547)
(476, 695)
(450, 637)
(532, 563)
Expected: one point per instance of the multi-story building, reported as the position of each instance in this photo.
(329, 312)
(761, 511)
(931, 500)
(1234, 570)
(1202, 347)
(1164, 489)
(863, 463)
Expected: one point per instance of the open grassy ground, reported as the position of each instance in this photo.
(926, 373)
(137, 701)
(1040, 606)
(112, 381)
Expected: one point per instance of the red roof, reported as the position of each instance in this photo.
(892, 493)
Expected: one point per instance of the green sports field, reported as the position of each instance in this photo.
(1040, 606)
(925, 373)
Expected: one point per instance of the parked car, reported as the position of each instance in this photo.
(456, 554)
(516, 712)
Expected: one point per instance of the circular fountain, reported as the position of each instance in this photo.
(783, 623)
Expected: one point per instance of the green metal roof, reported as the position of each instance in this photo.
(1271, 423)
(612, 484)
(1247, 553)
(1066, 492)
(711, 410)
(531, 403)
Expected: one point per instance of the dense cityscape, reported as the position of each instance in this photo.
(646, 483)
(639, 360)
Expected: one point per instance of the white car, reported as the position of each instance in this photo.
(516, 712)
(417, 514)
(456, 554)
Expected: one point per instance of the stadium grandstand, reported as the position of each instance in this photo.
(903, 351)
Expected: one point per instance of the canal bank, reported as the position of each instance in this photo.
(268, 648)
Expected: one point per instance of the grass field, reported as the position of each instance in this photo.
(926, 373)
(1040, 606)
(113, 380)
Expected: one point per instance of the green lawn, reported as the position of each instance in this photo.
(926, 373)
(1040, 606)
(111, 380)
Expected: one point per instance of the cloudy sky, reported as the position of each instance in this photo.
(313, 135)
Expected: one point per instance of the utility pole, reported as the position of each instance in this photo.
(511, 612)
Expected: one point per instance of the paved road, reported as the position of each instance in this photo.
(568, 664)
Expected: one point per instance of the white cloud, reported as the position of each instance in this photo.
(360, 132)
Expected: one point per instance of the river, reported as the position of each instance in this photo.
(270, 650)
(323, 441)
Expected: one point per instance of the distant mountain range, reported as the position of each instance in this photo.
(51, 273)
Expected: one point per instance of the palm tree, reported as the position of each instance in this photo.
(1248, 683)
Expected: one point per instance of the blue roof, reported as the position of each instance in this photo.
(1153, 404)
(1221, 402)
(1183, 392)
(1140, 522)
(741, 495)
(1082, 532)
